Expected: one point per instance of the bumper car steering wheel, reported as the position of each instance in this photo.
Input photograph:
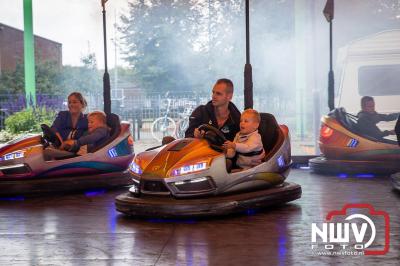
(214, 137)
(50, 136)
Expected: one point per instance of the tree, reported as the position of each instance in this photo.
(12, 81)
(85, 79)
(48, 75)
(176, 45)
(47, 79)
(54, 80)
(151, 49)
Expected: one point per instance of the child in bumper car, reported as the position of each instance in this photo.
(97, 135)
(247, 144)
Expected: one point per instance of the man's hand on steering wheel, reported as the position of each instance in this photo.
(214, 137)
(198, 134)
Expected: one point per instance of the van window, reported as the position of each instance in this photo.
(379, 80)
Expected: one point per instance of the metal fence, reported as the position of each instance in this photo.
(11, 103)
(143, 109)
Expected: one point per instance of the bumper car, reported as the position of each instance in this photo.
(395, 178)
(347, 151)
(188, 177)
(25, 170)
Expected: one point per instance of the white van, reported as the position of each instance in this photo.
(370, 66)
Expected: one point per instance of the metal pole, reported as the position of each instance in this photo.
(331, 78)
(115, 53)
(247, 33)
(330, 45)
(248, 76)
(106, 76)
(1, 30)
(328, 12)
(29, 55)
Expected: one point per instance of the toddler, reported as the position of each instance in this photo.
(98, 133)
(247, 143)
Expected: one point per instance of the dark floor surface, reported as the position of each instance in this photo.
(85, 229)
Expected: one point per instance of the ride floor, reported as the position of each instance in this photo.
(85, 229)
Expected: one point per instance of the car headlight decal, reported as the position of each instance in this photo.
(280, 161)
(125, 147)
(200, 184)
(189, 168)
(135, 168)
(195, 180)
(13, 155)
(352, 143)
(112, 152)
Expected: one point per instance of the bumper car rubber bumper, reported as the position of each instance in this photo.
(37, 186)
(321, 165)
(169, 207)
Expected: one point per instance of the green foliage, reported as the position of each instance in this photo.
(183, 45)
(29, 120)
(7, 136)
(47, 79)
(54, 79)
(12, 81)
(85, 79)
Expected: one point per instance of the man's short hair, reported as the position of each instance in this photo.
(228, 83)
(254, 114)
(100, 115)
(366, 99)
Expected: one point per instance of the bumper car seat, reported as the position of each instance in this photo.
(114, 124)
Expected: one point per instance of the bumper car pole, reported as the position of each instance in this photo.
(329, 14)
(248, 76)
(106, 76)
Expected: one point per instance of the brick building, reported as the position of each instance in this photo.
(12, 48)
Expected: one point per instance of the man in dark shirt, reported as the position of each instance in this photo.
(368, 118)
(220, 112)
